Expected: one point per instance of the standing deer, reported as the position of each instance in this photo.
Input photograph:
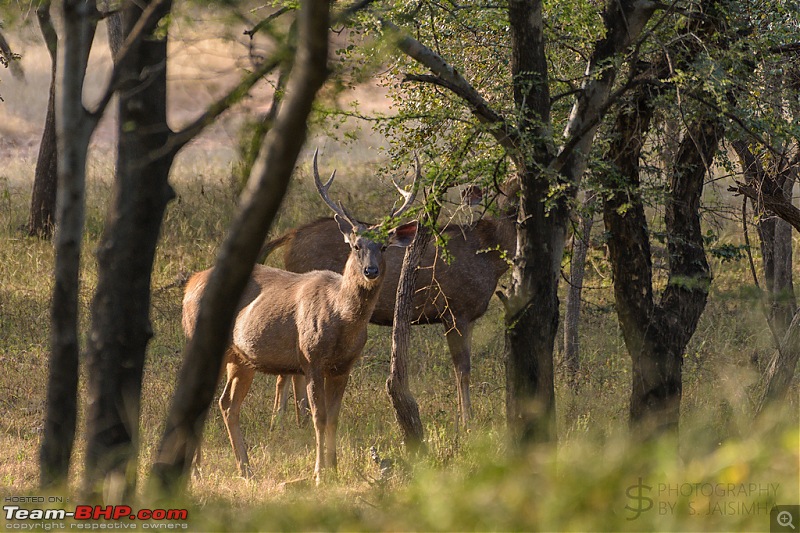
(313, 324)
(454, 293)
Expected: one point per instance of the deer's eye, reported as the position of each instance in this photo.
(356, 247)
(383, 248)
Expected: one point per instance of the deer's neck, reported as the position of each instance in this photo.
(506, 228)
(357, 294)
(506, 234)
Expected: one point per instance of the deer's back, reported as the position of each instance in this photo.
(275, 310)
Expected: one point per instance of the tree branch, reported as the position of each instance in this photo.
(145, 22)
(449, 77)
(777, 203)
(48, 31)
(260, 201)
(178, 140)
(10, 58)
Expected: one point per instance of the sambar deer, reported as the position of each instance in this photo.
(313, 324)
(454, 292)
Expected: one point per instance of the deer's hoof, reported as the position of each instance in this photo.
(246, 472)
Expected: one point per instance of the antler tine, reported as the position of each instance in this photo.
(408, 195)
(323, 190)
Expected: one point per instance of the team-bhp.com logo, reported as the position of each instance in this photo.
(89, 517)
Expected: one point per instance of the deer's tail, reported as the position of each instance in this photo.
(270, 247)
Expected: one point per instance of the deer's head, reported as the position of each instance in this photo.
(366, 242)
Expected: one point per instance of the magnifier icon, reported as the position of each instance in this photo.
(785, 519)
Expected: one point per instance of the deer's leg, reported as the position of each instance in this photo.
(198, 453)
(281, 396)
(334, 391)
(459, 339)
(230, 403)
(316, 398)
(300, 398)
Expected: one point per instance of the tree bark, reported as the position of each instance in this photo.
(577, 269)
(203, 355)
(775, 236)
(74, 131)
(781, 368)
(45, 181)
(10, 59)
(120, 320)
(405, 406)
(771, 191)
(656, 335)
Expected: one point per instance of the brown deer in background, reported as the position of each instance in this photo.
(313, 324)
(454, 293)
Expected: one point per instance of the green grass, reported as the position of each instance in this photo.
(470, 480)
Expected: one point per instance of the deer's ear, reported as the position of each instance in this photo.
(403, 235)
(345, 227)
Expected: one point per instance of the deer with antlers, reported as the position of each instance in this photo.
(454, 292)
(313, 324)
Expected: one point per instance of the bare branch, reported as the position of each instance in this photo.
(178, 139)
(48, 31)
(264, 22)
(269, 179)
(777, 203)
(788, 48)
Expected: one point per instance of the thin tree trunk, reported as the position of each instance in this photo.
(116, 34)
(120, 328)
(203, 356)
(577, 269)
(781, 368)
(11, 59)
(73, 141)
(775, 239)
(45, 181)
(405, 406)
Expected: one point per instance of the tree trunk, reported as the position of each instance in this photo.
(768, 190)
(45, 181)
(784, 303)
(116, 34)
(203, 355)
(577, 269)
(775, 238)
(532, 300)
(531, 314)
(120, 328)
(781, 368)
(11, 59)
(73, 141)
(656, 335)
(405, 406)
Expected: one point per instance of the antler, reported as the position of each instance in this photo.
(323, 192)
(408, 195)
